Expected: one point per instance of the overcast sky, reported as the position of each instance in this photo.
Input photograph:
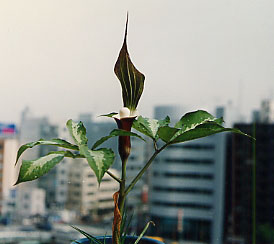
(57, 56)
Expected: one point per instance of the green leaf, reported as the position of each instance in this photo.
(206, 129)
(90, 237)
(193, 119)
(115, 132)
(33, 169)
(110, 115)
(99, 160)
(67, 154)
(54, 142)
(78, 132)
(166, 133)
(132, 81)
(143, 232)
(194, 125)
(150, 127)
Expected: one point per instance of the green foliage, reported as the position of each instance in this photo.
(192, 126)
(132, 81)
(33, 169)
(114, 133)
(54, 142)
(92, 239)
(110, 115)
(143, 232)
(99, 160)
(150, 127)
(77, 132)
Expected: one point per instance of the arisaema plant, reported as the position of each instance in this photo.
(191, 126)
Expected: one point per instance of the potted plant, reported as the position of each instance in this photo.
(191, 126)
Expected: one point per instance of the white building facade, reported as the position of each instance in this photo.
(187, 187)
(84, 195)
(8, 150)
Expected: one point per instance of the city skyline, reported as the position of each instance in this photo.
(58, 57)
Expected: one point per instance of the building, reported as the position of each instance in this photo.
(136, 206)
(32, 129)
(267, 111)
(8, 150)
(186, 187)
(250, 184)
(84, 195)
(31, 201)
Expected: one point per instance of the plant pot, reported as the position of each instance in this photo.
(129, 240)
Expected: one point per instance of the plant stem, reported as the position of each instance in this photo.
(113, 176)
(143, 170)
(254, 185)
(122, 195)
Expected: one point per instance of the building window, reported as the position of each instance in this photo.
(183, 190)
(183, 205)
(189, 175)
(189, 161)
(106, 200)
(193, 147)
(106, 179)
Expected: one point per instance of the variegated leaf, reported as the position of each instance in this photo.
(99, 160)
(203, 130)
(132, 81)
(53, 142)
(78, 132)
(115, 132)
(33, 169)
(67, 154)
(191, 120)
(110, 115)
(192, 126)
(150, 127)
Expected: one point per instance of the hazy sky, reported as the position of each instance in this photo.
(57, 56)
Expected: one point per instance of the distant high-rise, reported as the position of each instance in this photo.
(84, 195)
(8, 150)
(267, 111)
(33, 129)
(241, 209)
(186, 187)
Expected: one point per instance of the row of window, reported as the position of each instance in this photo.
(183, 190)
(106, 200)
(193, 147)
(200, 176)
(189, 161)
(183, 205)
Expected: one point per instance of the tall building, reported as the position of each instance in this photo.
(84, 195)
(32, 129)
(246, 167)
(267, 111)
(186, 187)
(8, 150)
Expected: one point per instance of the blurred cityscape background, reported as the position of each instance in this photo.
(196, 192)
